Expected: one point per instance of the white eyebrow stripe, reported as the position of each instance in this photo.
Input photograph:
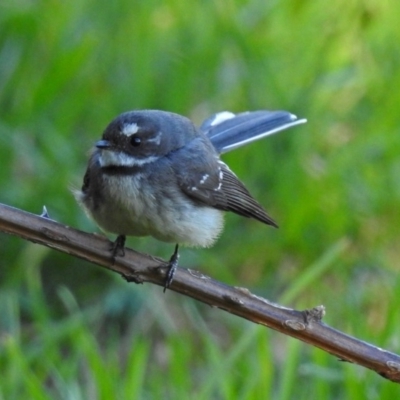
(156, 139)
(130, 129)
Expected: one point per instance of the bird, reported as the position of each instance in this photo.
(154, 173)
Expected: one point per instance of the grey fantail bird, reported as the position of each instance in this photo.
(154, 173)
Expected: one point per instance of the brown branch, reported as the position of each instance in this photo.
(137, 267)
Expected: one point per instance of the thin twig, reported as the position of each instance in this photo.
(139, 268)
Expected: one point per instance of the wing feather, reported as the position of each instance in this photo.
(210, 182)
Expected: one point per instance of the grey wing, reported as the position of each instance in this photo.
(221, 189)
(228, 131)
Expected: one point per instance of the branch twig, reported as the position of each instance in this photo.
(139, 268)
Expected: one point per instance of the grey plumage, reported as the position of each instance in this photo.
(154, 173)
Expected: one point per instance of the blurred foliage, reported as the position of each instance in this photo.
(71, 331)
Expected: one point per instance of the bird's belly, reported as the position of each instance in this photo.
(167, 215)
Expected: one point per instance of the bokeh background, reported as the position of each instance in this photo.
(70, 330)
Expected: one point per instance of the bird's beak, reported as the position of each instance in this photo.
(103, 144)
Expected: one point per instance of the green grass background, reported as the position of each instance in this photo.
(69, 330)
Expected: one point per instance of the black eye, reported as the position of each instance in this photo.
(135, 141)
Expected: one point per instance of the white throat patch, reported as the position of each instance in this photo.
(110, 158)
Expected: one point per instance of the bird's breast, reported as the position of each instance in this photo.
(133, 206)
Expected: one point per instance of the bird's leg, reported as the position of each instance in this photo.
(172, 265)
(117, 247)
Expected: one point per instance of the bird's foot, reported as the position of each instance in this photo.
(172, 266)
(117, 248)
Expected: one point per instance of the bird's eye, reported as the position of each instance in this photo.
(135, 141)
